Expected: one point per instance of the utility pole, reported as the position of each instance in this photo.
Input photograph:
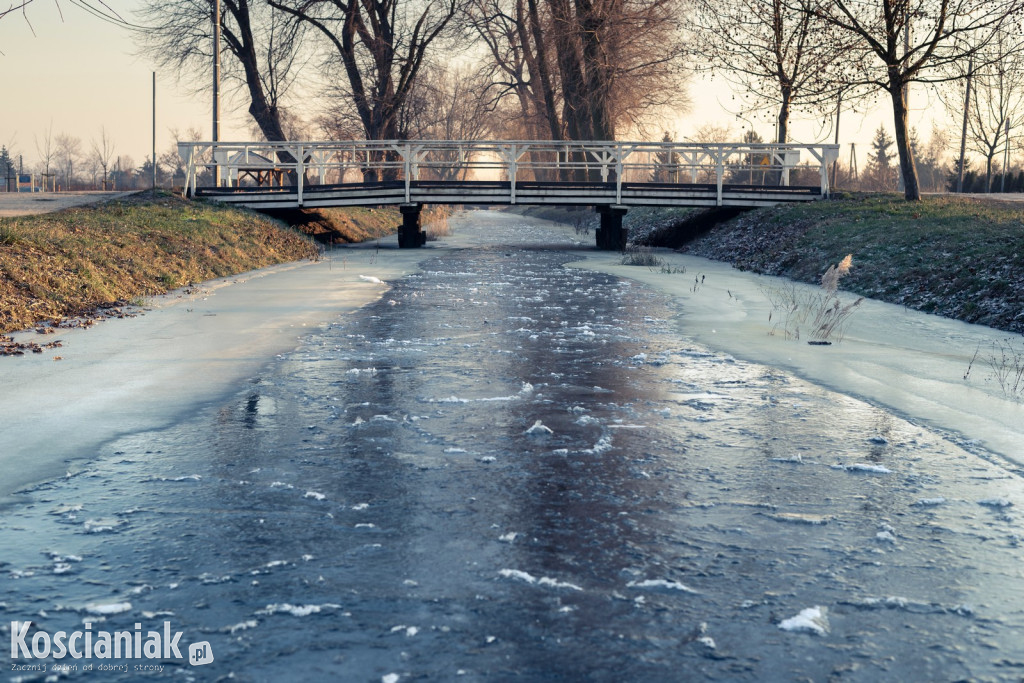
(963, 133)
(216, 89)
(1006, 158)
(835, 164)
(152, 159)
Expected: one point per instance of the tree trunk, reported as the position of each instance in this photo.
(787, 99)
(537, 60)
(911, 187)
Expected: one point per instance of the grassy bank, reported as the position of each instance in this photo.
(72, 263)
(957, 257)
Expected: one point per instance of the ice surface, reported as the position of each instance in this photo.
(906, 360)
(143, 373)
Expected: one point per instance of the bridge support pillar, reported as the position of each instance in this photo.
(611, 236)
(410, 235)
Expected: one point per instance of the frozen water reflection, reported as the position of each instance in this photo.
(510, 469)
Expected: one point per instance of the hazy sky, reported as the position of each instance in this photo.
(82, 74)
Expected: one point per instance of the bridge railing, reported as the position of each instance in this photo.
(299, 165)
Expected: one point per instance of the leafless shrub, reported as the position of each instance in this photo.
(1006, 360)
(581, 225)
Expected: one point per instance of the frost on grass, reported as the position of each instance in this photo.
(811, 620)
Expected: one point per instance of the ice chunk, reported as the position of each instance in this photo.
(532, 580)
(314, 494)
(106, 608)
(811, 620)
(241, 626)
(661, 583)
(862, 467)
(538, 429)
(296, 610)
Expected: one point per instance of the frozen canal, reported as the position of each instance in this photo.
(509, 469)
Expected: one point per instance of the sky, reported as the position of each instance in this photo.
(81, 74)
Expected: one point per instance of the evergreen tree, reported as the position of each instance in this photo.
(666, 164)
(6, 168)
(952, 177)
(880, 174)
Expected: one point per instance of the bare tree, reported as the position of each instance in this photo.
(779, 53)
(996, 108)
(448, 104)
(265, 46)
(577, 69)
(900, 42)
(520, 68)
(68, 151)
(102, 154)
(380, 47)
(47, 151)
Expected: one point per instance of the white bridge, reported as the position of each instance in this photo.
(611, 176)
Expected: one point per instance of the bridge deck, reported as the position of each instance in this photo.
(493, 192)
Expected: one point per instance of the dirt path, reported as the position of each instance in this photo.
(28, 203)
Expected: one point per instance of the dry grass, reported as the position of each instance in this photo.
(820, 314)
(642, 256)
(434, 218)
(69, 263)
(953, 256)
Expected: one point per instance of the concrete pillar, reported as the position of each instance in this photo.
(410, 236)
(611, 236)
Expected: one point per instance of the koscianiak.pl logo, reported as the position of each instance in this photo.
(80, 649)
